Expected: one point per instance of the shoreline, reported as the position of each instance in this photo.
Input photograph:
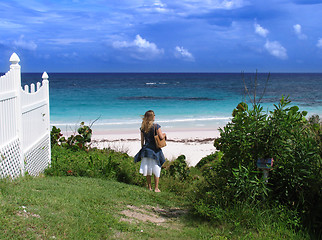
(193, 143)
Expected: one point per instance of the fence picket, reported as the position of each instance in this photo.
(24, 124)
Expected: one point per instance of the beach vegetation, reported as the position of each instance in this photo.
(209, 159)
(96, 163)
(316, 125)
(294, 183)
(179, 169)
(81, 140)
(178, 177)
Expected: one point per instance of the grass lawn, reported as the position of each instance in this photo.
(88, 208)
(91, 208)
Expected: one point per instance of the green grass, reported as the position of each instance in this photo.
(91, 208)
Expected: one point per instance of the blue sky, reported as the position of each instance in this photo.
(162, 35)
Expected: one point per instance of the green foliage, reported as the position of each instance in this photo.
(94, 163)
(316, 126)
(55, 135)
(179, 169)
(205, 160)
(74, 142)
(243, 140)
(297, 176)
(176, 176)
(247, 185)
(285, 135)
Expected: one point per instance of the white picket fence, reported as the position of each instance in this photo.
(24, 124)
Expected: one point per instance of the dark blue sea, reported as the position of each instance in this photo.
(180, 100)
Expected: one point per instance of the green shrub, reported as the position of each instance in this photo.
(285, 135)
(104, 163)
(212, 157)
(178, 177)
(179, 169)
(74, 142)
(316, 126)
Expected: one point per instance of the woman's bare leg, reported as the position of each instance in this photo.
(148, 179)
(156, 182)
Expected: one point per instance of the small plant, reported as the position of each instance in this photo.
(179, 168)
(75, 142)
(210, 158)
(55, 135)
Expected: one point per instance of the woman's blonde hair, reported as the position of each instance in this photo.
(147, 121)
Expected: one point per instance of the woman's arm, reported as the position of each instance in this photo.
(161, 134)
(142, 139)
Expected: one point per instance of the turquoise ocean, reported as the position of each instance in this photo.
(180, 100)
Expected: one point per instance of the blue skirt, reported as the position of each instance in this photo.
(149, 153)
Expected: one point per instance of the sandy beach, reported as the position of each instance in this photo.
(193, 143)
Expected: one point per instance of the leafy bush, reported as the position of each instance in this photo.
(74, 142)
(285, 135)
(176, 176)
(104, 163)
(212, 157)
(55, 135)
(179, 169)
(316, 126)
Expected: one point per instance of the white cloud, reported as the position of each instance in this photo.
(319, 44)
(28, 45)
(260, 30)
(298, 31)
(276, 49)
(160, 7)
(231, 4)
(184, 54)
(157, 6)
(139, 48)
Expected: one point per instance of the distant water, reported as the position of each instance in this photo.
(180, 100)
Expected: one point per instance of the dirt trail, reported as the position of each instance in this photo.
(149, 213)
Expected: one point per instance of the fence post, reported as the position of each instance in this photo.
(45, 84)
(16, 70)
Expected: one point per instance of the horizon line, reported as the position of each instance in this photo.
(161, 72)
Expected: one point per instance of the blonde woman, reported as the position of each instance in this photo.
(151, 157)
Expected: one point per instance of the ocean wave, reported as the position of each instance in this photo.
(195, 119)
(155, 83)
(127, 122)
(168, 98)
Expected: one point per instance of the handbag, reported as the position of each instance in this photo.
(158, 142)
